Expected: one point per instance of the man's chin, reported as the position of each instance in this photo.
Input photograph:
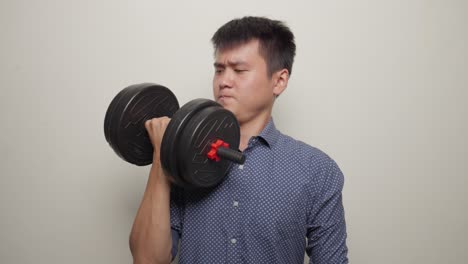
(229, 107)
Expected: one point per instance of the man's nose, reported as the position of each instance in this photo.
(226, 79)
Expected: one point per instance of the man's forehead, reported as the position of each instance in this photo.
(238, 45)
(238, 53)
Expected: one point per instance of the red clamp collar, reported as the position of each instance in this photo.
(212, 154)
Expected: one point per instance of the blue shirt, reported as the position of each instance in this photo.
(285, 200)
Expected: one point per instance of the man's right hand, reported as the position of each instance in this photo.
(156, 128)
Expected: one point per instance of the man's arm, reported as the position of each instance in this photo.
(150, 238)
(326, 230)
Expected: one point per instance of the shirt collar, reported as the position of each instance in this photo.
(270, 134)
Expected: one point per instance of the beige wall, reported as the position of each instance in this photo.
(381, 86)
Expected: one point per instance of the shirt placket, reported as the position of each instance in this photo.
(235, 239)
(234, 228)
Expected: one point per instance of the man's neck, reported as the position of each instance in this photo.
(252, 128)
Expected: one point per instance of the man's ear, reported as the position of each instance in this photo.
(281, 78)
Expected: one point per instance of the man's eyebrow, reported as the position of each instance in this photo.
(230, 63)
(219, 65)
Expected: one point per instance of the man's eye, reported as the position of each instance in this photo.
(218, 70)
(240, 70)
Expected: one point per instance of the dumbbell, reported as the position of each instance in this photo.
(200, 142)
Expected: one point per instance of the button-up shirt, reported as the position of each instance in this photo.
(286, 199)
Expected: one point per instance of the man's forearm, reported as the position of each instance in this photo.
(150, 239)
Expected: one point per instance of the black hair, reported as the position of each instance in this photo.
(276, 40)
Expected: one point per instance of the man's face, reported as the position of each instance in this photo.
(241, 82)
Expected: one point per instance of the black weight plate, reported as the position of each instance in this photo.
(172, 136)
(126, 116)
(110, 113)
(202, 130)
(113, 116)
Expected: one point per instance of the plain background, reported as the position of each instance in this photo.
(381, 86)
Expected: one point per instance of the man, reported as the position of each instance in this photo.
(284, 201)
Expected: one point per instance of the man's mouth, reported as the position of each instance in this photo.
(224, 97)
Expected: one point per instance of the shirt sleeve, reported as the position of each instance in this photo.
(326, 227)
(176, 211)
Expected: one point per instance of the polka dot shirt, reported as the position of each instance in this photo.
(283, 201)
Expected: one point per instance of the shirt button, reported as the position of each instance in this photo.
(233, 241)
(241, 166)
(236, 203)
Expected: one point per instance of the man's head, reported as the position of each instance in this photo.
(253, 61)
(276, 40)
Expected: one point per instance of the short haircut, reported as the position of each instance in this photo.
(276, 40)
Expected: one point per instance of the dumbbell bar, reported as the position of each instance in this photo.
(200, 141)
